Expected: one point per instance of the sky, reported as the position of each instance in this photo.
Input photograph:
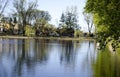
(56, 7)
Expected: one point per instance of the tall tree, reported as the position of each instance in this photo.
(89, 20)
(62, 20)
(69, 21)
(24, 9)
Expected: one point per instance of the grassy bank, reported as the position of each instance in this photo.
(51, 38)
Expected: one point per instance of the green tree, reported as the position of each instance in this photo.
(69, 22)
(42, 25)
(62, 20)
(106, 15)
(24, 11)
(43, 28)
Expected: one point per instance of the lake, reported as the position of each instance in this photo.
(56, 58)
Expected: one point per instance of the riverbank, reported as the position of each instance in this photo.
(51, 38)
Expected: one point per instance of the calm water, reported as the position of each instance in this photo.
(53, 58)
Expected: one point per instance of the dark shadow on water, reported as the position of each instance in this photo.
(68, 53)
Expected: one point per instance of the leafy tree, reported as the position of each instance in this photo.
(43, 28)
(24, 11)
(107, 20)
(68, 22)
(62, 20)
(42, 25)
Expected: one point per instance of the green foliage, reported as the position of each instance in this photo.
(29, 31)
(106, 18)
(43, 28)
(78, 33)
(24, 10)
(69, 22)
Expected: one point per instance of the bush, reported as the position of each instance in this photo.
(29, 31)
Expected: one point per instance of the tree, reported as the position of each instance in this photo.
(43, 28)
(39, 14)
(62, 19)
(89, 20)
(69, 22)
(42, 19)
(106, 15)
(24, 10)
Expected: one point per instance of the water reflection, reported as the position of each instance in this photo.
(68, 53)
(46, 58)
(15, 54)
(107, 64)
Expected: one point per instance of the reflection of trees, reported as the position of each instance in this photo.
(23, 53)
(42, 50)
(90, 52)
(89, 56)
(68, 53)
(107, 65)
(8, 57)
(32, 51)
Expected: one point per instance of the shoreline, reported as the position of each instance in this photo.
(50, 38)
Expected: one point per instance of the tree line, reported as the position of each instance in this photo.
(28, 20)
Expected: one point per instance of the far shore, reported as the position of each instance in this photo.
(51, 38)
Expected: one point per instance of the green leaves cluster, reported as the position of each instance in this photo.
(106, 18)
(43, 28)
(29, 31)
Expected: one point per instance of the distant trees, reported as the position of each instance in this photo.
(8, 24)
(69, 22)
(28, 14)
(43, 28)
(24, 11)
(27, 19)
(41, 25)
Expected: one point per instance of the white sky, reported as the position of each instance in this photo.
(56, 7)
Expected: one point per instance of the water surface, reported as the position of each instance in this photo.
(54, 58)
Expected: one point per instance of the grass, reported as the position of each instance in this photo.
(51, 38)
